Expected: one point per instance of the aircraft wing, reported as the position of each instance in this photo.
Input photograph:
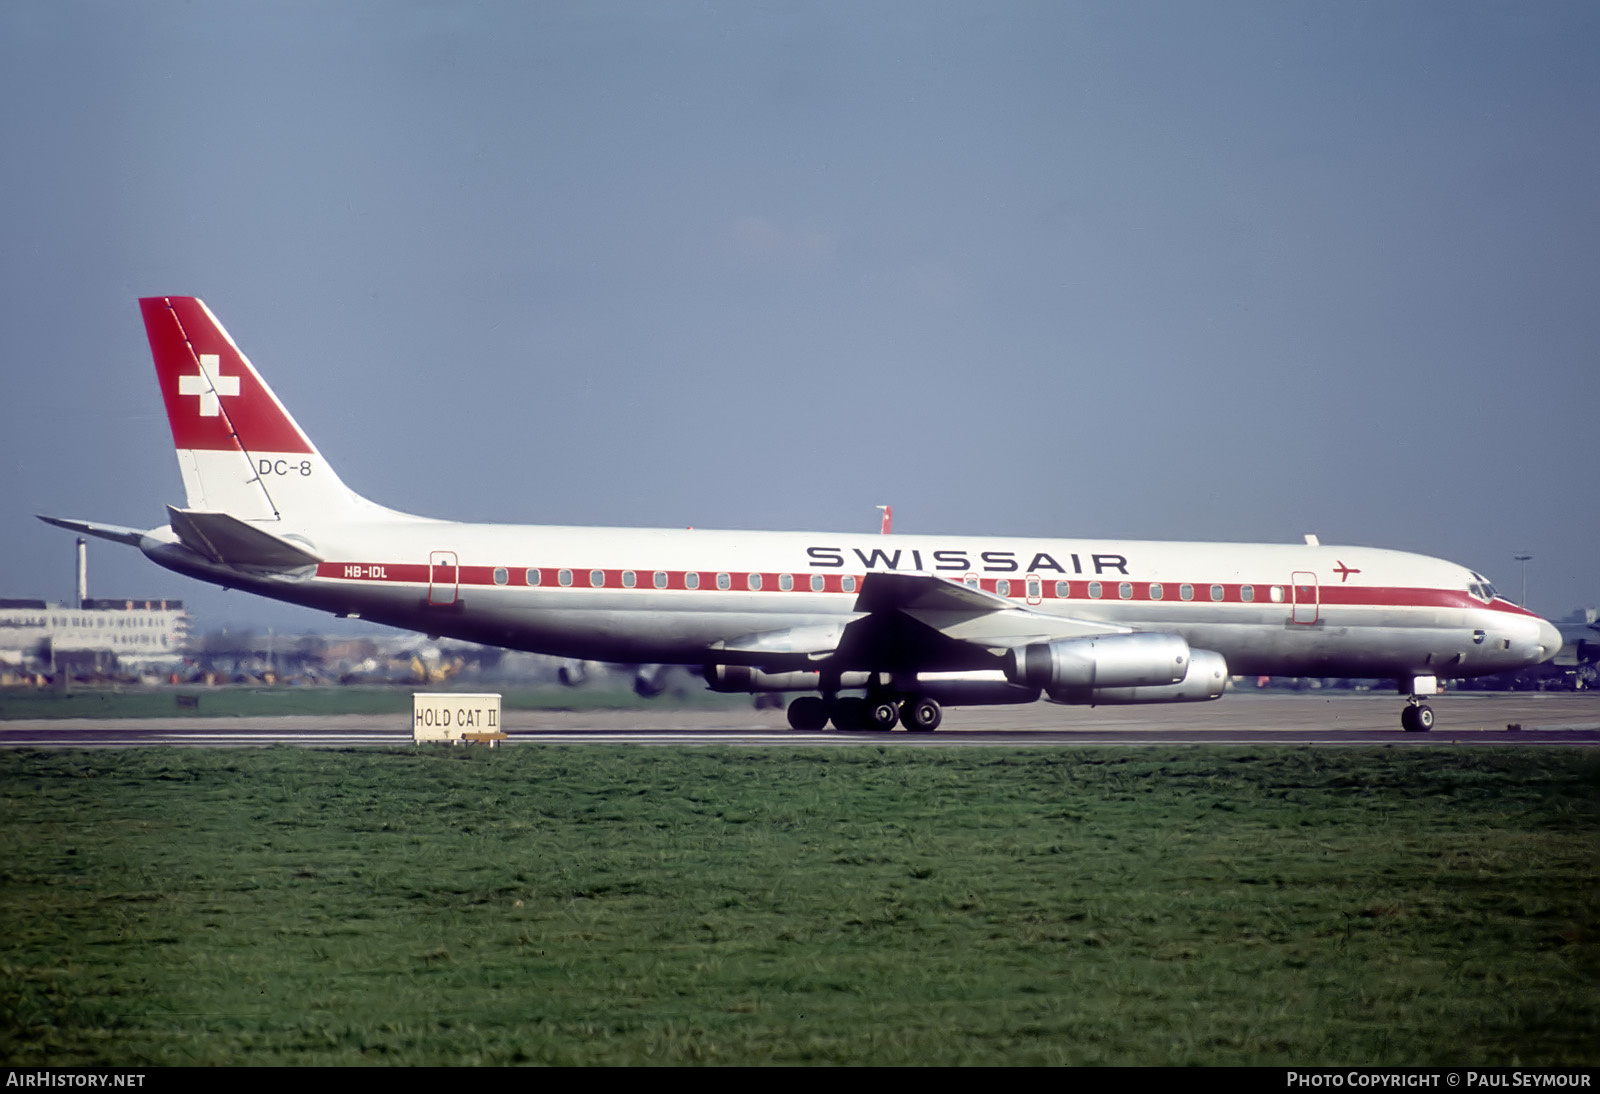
(910, 622)
(926, 592)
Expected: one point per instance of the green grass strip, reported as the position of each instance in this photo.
(265, 702)
(594, 905)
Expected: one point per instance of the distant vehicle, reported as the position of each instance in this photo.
(873, 630)
(1580, 639)
(1575, 668)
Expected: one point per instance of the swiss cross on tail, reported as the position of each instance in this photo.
(209, 385)
(215, 400)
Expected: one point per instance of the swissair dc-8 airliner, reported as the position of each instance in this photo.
(870, 630)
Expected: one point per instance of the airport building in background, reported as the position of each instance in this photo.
(97, 636)
(92, 636)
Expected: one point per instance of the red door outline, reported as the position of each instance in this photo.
(444, 578)
(1305, 596)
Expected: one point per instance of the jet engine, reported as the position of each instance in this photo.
(650, 681)
(742, 678)
(981, 687)
(1138, 660)
(1206, 679)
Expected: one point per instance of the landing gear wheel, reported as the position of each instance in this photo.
(882, 715)
(808, 713)
(1417, 718)
(921, 715)
(849, 714)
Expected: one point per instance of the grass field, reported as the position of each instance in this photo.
(266, 702)
(589, 905)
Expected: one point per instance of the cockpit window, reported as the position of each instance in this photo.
(1482, 590)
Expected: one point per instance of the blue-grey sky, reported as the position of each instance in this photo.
(1229, 270)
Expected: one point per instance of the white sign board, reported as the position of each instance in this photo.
(446, 715)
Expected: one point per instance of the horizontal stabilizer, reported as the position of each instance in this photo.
(114, 532)
(233, 542)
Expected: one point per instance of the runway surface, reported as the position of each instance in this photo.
(1316, 718)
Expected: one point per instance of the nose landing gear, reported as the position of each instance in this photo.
(1417, 717)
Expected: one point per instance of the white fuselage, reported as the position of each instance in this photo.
(666, 595)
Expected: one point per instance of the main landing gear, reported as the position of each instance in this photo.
(917, 713)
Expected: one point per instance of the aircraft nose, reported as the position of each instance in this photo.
(1549, 640)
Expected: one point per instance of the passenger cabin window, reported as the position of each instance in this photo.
(1002, 587)
(531, 577)
(1094, 590)
(597, 579)
(1275, 593)
(818, 583)
(1247, 593)
(691, 580)
(724, 581)
(1185, 592)
(785, 582)
(501, 576)
(1156, 591)
(659, 580)
(1125, 590)
(1063, 590)
(849, 583)
(1216, 592)
(564, 577)
(627, 579)
(753, 582)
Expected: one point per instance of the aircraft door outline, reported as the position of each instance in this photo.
(444, 578)
(1033, 586)
(1305, 598)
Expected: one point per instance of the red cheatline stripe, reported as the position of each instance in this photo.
(1016, 588)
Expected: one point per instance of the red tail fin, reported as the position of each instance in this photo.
(215, 399)
(238, 448)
